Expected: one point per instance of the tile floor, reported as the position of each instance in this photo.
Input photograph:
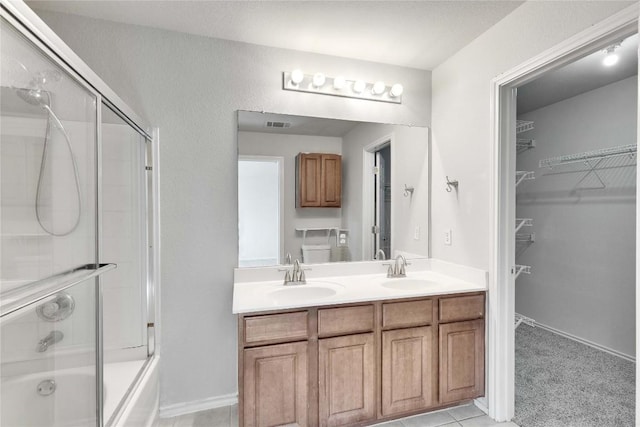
(465, 416)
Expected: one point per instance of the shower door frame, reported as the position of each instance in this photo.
(30, 26)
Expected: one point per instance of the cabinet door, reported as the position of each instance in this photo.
(275, 385)
(310, 177)
(408, 370)
(331, 183)
(346, 379)
(461, 361)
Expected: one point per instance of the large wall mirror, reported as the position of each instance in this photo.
(327, 190)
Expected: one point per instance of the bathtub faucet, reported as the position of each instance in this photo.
(49, 340)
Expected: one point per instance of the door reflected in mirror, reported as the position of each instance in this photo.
(329, 190)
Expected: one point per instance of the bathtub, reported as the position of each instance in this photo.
(72, 404)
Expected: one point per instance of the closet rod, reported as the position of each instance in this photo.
(603, 153)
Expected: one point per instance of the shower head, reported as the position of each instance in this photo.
(33, 96)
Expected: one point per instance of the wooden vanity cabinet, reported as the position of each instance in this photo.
(318, 180)
(409, 357)
(276, 385)
(461, 348)
(346, 377)
(274, 369)
(360, 364)
(346, 365)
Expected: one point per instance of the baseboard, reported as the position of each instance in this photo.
(481, 403)
(586, 342)
(184, 408)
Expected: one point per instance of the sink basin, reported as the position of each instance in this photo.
(408, 284)
(303, 293)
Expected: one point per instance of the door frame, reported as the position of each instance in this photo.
(368, 194)
(500, 329)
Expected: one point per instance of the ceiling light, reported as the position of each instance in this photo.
(612, 58)
(339, 82)
(358, 86)
(318, 80)
(297, 76)
(378, 88)
(396, 90)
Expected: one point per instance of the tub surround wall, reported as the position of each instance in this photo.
(583, 259)
(191, 87)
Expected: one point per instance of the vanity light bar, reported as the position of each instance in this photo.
(318, 83)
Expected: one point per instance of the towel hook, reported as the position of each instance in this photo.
(450, 184)
(408, 191)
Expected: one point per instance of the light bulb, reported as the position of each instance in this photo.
(396, 90)
(610, 60)
(318, 80)
(378, 88)
(339, 82)
(358, 86)
(297, 76)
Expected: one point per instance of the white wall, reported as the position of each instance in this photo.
(409, 165)
(461, 123)
(583, 259)
(289, 146)
(191, 87)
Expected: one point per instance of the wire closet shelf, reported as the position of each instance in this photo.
(622, 150)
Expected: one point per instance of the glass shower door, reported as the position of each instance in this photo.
(124, 242)
(48, 232)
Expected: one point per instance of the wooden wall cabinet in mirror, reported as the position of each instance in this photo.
(318, 180)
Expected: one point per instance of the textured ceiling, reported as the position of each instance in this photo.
(416, 34)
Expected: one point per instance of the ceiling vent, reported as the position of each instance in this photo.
(278, 125)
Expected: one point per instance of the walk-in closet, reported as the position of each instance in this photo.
(576, 242)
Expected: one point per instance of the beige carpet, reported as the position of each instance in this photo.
(562, 383)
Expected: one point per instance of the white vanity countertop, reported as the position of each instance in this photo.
(330, 284)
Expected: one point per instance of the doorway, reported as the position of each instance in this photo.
(382, 202)
(377, 233)
(501, 332)
(260, 206)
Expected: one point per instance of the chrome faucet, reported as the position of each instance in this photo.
(398, 268)
(49, 340)
(287, 258)
(295, 276)
(380, 255)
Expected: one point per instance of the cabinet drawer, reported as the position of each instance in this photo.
(345, 320)
(406, 314)
(276, 327)
(461, 308)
